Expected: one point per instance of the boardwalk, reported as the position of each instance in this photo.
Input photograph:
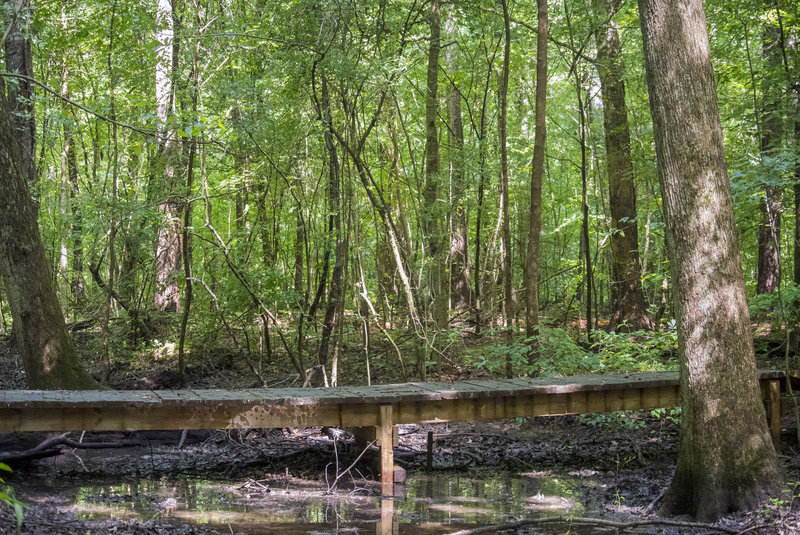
(376, 409)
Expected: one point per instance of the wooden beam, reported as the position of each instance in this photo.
(387, 453)
(773, 406)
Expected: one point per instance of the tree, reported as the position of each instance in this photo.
(626, 287)
(537, 176)
(432, 225)
(770, 128)
(19, 59)
(727, 461)
(168, 250)
(509, 310)
(47, 352)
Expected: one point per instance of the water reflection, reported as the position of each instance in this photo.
(437, 503)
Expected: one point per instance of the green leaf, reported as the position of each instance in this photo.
(18, 512)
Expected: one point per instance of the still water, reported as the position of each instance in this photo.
(438, 503)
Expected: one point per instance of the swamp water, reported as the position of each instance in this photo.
(437, 503)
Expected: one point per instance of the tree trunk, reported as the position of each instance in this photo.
(626, 285)
(431, 225)
(771, 131)
(460, 285)
(48, 354)
(726, 461)
(537, 175)
(19, 60)
(509, 311)
(332, 307)
(168, 250)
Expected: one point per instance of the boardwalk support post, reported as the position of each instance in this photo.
(387, 454)
(773, 405)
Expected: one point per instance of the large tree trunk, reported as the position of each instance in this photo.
(537, 175)
(626, 287)
(168, 249)
(48, 354)
(727, 461)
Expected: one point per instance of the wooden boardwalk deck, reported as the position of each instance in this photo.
(378, 408)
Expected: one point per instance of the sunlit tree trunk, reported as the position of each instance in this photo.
(47, 351)
(727, 461)
(168, 249)
(627, 295)
(537, 175)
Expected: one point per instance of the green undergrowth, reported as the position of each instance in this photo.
(7, 497)
(562, 353)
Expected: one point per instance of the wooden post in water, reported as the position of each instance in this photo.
(387, 454)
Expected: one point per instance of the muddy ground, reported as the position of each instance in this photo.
(620, 465)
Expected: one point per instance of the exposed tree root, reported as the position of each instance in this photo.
(604, 523)
(52, 447)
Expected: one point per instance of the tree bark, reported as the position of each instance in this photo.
(537, 175)
(460, 284)
(726, 461)
(433, 212)
(509, 311)
(19, 59)
(47, 351)
(168, 249)
(626, 287)
(771, 132)
(332, 307)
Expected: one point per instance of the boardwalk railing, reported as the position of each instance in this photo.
(375, 409)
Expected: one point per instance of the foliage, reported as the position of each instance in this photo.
(561, 354)
(638, 351)
(7, 497)
(773, 506)
(631, 420)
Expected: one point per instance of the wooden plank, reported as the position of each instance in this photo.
(180, 398)
(63, 398)
(452, 390)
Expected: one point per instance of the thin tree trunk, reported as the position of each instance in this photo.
(726, 461)
(460, 286)
(509, 311)
(537, 175)
(334, 234)
(112, 233)
(771, 133)
(186, 238)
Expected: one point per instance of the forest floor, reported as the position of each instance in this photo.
(614, 467)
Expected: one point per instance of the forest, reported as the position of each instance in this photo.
(253, 194)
